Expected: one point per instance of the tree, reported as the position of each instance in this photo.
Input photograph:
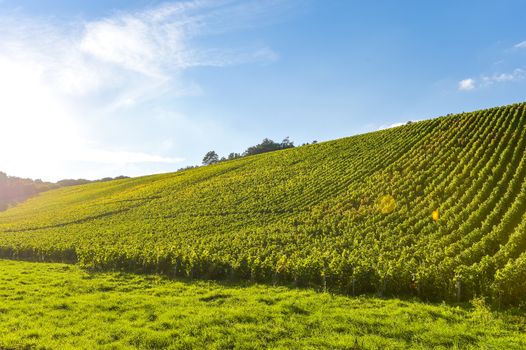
(286, 143)
(267, 145)
(210, 158)
(234, 156)
(14, 189)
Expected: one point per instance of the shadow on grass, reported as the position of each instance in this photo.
(122, 275)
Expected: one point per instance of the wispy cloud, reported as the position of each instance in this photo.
(485, 80)
(488, 80)
(517, 74)
(158, 41)
(466, 84)
(56, 76)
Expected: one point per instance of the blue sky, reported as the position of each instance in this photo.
(103, 88)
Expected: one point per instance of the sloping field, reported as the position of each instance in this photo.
(435, 208)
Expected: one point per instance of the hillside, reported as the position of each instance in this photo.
(14, 190)
(435, 208)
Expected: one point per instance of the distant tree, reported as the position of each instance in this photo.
(76, 182)
(73, 182)
(210, 158)
(188, 167)
(14, 189)
(234, 156)
(267, 145)
(312, 143)
(286, 143)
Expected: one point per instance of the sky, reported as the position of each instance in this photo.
(90, 89)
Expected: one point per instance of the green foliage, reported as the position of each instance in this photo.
(76, 182)
(210, 157)
(15, 189)
(311, 216)
(56, 306)
(267, 145)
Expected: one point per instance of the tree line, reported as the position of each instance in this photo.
(267, 145)
(14, 189)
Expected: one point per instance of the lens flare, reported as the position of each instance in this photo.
(386, 204)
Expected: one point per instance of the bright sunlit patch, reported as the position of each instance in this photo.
(35, 124)
(386, 204)
(62, 82)
(41, 133)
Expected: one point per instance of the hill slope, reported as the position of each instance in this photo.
(354, 214)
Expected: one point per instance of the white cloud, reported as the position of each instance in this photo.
(157, 41)
(389, 126)
(521, 45)
(488, 80)
(394, 125)
(517, 74)
(466, 84)
(124, 42)
(60, 79)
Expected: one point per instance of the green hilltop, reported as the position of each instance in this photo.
(435, 208)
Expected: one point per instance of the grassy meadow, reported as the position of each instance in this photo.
(59, 306)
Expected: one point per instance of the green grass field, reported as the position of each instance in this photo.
(57, 306)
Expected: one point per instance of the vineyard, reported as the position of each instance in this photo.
(435, 209)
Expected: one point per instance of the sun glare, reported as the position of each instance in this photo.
(386, 204)
(37, 131)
